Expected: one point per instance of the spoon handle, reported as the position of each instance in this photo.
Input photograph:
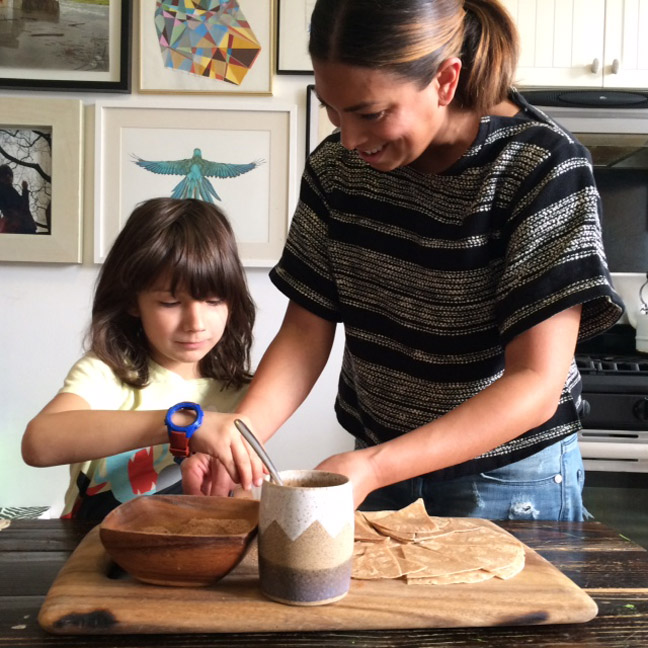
(259, 449)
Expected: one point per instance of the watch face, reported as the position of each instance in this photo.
(191, 427)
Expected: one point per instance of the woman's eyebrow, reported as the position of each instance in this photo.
(360, 106)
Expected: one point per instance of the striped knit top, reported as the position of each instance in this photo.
(432, 275)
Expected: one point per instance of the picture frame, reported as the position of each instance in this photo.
(80, 47)
(293, 19)
(318, 125)
(157, 78)
(258, 201)
(55, 204)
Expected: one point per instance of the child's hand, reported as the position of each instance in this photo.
(219, 438)
(205, 475)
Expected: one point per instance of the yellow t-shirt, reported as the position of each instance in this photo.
(99, 485)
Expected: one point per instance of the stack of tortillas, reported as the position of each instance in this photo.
(425, 550)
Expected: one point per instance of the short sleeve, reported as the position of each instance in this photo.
(303, 273)
(554, 252)
(96, 383)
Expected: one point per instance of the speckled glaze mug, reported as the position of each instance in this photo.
(306, 537)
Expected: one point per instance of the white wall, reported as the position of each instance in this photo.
(45, 308)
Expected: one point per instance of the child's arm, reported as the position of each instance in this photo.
(67, 431)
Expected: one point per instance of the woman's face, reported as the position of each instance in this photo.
(390, 122)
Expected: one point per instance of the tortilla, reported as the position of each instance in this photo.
(410, 523)
(376, 562)
(436, 563)
(364, 531)
(472, 576)
(424, 549)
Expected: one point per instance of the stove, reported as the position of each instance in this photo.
(614, 409)
(614, 438)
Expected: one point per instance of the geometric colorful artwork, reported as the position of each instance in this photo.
(209, 38)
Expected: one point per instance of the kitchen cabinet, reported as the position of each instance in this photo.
(582, 43)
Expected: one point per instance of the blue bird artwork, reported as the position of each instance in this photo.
(196, 170)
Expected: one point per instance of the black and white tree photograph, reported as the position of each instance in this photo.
(25, 180)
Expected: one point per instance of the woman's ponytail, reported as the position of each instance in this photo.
(489, 55)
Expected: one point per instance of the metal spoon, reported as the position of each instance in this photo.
(258, 448)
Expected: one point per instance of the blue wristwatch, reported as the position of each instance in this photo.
(179, 435)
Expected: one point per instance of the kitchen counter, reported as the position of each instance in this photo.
(610, 568)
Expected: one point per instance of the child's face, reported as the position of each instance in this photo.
(180, 329)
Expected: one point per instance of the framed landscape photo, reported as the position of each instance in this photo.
(40, 179)
(293, 24)
(186, 49)
(242, 157)
(318, 125)
(66, 45)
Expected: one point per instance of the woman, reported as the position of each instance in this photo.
(454, 230)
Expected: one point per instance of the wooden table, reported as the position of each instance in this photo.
(613, 570)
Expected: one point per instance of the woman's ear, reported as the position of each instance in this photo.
(447, 79)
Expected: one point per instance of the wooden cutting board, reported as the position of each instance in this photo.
(85, 599)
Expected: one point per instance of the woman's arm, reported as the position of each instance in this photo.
(287, 372)
(536, 367)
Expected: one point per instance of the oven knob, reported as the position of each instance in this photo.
(640, 409)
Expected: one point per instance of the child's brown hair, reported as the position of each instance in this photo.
(193, 242)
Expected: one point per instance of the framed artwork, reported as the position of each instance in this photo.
(186, 49)
(243, 154)
(293, 24)
(318, 125)
(52, 45)
(40, 179)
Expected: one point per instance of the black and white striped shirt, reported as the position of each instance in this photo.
(432, 275)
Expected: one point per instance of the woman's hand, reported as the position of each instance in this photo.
(358, 467)
(219, 438)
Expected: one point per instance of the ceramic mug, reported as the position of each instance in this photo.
(306, 537)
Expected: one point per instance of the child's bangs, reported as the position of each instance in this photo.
(201, 273)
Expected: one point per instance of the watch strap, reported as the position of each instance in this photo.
(179, 444)
(179, 435)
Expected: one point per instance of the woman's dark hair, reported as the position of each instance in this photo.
(191, 241)
(411, 38)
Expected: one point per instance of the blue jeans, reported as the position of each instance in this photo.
(548, 485)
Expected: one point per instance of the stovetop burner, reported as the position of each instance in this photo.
(606, 364)
(610, 362)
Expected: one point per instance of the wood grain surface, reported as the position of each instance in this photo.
(613, 569)
(89, 596)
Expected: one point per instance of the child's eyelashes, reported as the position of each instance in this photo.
(171, 304)
(372, 116)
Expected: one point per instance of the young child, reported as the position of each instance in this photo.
(171, 326)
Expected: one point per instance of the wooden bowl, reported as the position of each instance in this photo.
(181, 540)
